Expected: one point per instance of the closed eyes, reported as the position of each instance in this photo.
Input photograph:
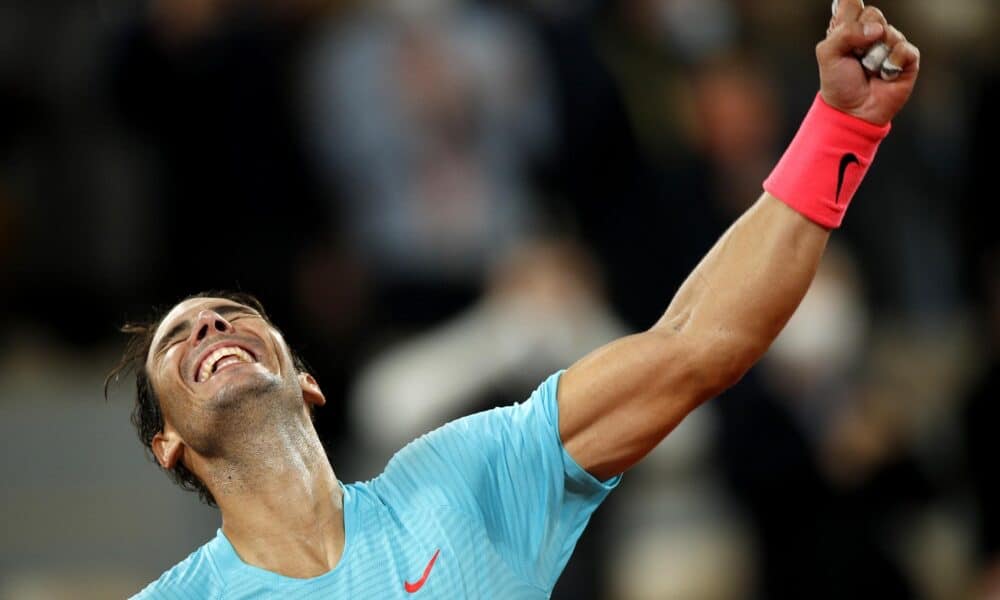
(180, 331)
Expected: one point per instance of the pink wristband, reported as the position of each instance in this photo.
(825, 163)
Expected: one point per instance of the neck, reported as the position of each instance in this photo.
(282, 508)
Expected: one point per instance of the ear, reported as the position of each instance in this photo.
(310, 390)
(168, 447)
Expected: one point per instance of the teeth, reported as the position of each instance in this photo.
(209, 363)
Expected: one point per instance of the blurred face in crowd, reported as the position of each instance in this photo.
(222, 374)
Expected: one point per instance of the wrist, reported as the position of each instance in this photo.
(825, 163)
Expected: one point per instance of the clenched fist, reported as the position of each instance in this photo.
(845, 84)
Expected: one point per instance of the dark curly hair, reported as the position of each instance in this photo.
(146, 414)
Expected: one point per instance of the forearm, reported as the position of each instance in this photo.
(745, 289)
(617, 403)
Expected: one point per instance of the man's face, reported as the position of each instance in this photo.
(213, 364)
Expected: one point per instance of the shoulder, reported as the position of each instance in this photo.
(466, 453)
(478, 434)
(536, 414)
(194, 577)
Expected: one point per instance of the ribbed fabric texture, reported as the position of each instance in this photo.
(495, 495)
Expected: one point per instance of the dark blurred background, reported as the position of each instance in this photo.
(443, 201)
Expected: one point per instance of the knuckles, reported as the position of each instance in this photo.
(873, 13)
(895, 34)
(915, 53)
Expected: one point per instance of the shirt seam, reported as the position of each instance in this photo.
(224, 583)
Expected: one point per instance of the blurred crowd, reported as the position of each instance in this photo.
(442, 201)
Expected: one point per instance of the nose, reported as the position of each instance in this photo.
(207, 322)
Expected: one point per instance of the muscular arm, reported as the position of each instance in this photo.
(617, 403)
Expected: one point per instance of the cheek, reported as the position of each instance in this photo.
(167, 379)
(172, 355)
(170, 367)
(277, 350)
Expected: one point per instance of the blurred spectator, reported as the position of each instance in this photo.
(653, 47)
(641, 204)
(823, 458)
(544, 309)
(736, 128)
(430, 116)
(916, 269)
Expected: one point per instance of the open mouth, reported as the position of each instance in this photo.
(222, 358)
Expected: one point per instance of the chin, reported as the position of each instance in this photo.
(243, 392)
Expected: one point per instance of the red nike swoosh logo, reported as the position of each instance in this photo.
(413, 587)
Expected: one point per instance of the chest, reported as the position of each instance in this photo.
(421, 555)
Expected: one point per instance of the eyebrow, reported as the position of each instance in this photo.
(224, 311)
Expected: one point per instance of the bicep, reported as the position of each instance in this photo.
(620, 401)
(617, 403)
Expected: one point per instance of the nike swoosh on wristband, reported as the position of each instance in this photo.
(413, 587)
(844, 161)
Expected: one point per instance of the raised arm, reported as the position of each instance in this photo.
(618, 403)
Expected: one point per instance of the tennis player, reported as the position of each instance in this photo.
(491, 505)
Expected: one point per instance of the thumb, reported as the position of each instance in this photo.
(846, 37)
